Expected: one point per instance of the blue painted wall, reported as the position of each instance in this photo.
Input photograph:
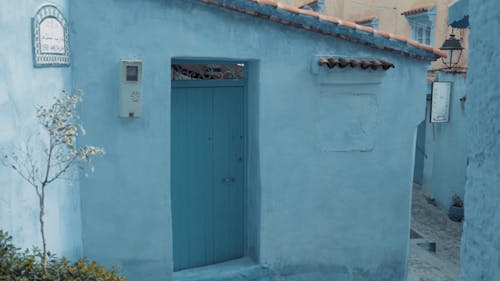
(445, 147)
(318, 207)
(21, 88)
(480, 241)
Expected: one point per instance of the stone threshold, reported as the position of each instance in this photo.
(244, 269)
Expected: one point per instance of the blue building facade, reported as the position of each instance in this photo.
(22, 87)
(480, 242)
(268, 135)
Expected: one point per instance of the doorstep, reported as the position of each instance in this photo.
(244, 269)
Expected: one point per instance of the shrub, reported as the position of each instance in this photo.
(17, 265)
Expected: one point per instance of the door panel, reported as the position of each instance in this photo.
(228, 179)
(207, 175)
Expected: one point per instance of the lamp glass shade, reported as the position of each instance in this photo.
(454, 49)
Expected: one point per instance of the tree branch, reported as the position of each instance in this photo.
(62, 171)
(47, 171)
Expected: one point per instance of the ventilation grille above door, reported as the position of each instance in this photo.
(183, 72)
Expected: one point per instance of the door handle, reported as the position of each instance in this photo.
(228, 179)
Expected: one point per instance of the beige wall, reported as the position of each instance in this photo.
(390, 18)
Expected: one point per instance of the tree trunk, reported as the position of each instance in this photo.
(42, 228)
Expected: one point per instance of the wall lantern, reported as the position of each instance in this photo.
(454, 49)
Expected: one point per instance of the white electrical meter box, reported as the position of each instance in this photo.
(131, 88)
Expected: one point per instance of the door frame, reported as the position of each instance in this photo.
(217, 84)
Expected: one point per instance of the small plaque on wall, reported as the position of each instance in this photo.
(440, 107)
(50, 38)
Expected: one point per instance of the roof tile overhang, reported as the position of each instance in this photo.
(333, 62)
(417, 10)
(364, 20)
(332, 26)
(310, 2)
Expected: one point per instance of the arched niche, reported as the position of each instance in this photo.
(50, 38)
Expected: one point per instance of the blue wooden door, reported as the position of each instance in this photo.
(207, 175)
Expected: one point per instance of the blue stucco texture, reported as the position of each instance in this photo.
(446, 147)
(319, 212)
(480, 242)
(22, 87)
(329, 151)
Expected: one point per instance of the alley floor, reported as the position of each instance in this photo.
(435, 242)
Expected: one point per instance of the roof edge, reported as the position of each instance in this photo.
(418, 10)
(310, 2)
(364, 20)
(328, 25)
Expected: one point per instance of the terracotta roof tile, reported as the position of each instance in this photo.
(382, 33)
(417, 10)
(309, 12)
(364, 28)
(414, 43)
(398, 37)
(364, 20)
(288, 8)
(308, 3)
(313, 21)
(427, 48)
(328, 18)
(332, 62)
(267, 2)
(347, 23)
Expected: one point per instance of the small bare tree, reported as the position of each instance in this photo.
(55, 153)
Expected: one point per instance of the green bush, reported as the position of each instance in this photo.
(17, 265)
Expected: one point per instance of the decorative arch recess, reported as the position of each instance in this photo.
(50, 38)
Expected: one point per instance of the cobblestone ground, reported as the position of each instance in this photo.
(435, 227)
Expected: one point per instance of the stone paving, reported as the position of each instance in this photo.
(433, 226)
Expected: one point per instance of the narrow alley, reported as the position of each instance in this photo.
(435, 242)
